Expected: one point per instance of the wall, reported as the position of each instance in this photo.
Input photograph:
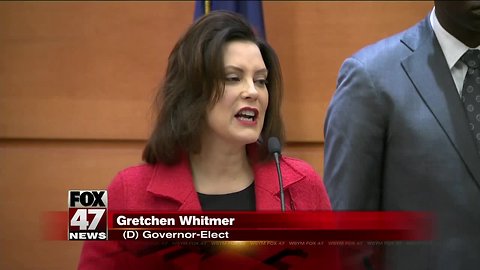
(77, 80)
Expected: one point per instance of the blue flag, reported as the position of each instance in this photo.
(252, 11)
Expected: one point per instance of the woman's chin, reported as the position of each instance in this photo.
(244, 140)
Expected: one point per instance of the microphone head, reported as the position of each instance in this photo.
(274, 145)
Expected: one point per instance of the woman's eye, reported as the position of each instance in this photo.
(232, 79)
(261, 82)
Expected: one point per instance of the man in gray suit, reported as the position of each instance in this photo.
(402, 133)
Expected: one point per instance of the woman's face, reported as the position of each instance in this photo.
(237, 118)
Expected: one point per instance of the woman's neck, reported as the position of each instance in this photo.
(220, 169)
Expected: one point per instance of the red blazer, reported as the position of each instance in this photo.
(170, 188)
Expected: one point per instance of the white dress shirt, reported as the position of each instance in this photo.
(452, 49)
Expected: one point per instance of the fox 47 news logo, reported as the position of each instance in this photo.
(87, 211)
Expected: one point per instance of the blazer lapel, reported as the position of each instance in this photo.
(428, 70)
(267, 188)
(175, 183)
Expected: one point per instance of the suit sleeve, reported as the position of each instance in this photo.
(355, 129)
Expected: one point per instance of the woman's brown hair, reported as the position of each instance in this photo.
(195, 80)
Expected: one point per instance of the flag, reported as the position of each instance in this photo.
(252, 11)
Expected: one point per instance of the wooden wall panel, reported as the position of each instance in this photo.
(309, 152)
(312, 40)
(35, 177)
(84, 70)
(89, 70)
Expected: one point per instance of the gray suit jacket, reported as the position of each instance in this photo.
(396, 138)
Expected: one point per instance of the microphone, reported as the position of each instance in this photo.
(275, 148)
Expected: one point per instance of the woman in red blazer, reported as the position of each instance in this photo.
(219, 102)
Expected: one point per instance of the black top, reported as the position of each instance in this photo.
(243, 200)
